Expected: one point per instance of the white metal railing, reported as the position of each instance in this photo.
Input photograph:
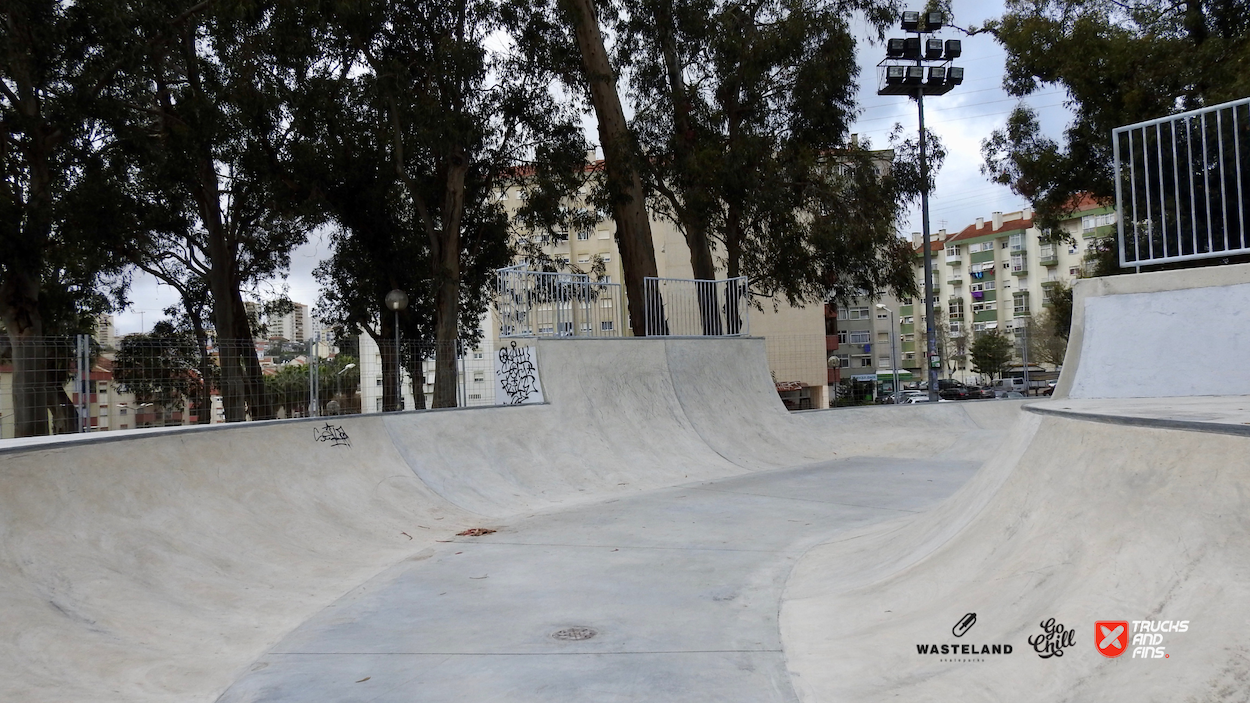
(697, 308)
(549, 304)
(1181, 185)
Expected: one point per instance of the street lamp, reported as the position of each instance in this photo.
(397, 300)
(903, 72)
(893, 354)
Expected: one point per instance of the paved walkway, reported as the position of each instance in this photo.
(681, 587)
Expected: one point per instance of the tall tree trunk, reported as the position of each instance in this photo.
(222, 284)
(204, 398)
(259, 399)
(633, 228)
(19, 308)
(445, 253)
(692, 210)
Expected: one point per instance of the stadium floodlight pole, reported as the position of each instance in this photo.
(916, 79)
(893, 354)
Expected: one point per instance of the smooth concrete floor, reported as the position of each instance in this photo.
(682, 586)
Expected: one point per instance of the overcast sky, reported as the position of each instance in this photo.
(961, 118)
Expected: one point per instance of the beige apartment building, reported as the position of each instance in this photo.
(795, 337)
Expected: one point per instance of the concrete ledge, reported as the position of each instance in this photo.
(1142, 420)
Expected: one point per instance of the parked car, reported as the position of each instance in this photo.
(903, 396)
(1008, 395)
(985, 392)
(954, 390)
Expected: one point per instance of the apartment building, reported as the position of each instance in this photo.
(795, 337)
(990, 275)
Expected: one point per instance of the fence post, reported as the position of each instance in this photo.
(314, 376)
(83, 382)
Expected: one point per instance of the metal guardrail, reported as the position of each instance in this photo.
(547, 304)
(685, 307)
(1181, 185)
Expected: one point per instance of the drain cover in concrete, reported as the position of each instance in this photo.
(574, 633)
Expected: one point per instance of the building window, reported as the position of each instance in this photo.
(607, 258)
(475, 396)
(1016, 241)
(1018, 262)
(860, 337)
(883, 362)
(1074, 271)
(883, 338)
(957, 308)
(1020, 303)
(883, 315)
(583, 258)
(866, 361)
(956, 327)
(379, 382)
(477, 354)
(583, 236)
(604, 234)
(379, 404)
(841, 336)
(952, 251)
(479, 376)
(858, 314)
(605, 303)
(605, 326)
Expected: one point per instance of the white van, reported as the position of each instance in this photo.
(1009, 384)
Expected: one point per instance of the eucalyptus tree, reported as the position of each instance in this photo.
(60, 220)
(203, 119)
(1118, 62)
(742, 111)
(440, 106)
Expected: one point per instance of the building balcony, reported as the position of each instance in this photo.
(831, 342)
(954, 260)
(955, 280)
(1050, 258)
(982, 257)
(985, 316)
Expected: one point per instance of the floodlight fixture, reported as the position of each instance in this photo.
(911, 21)
(955, 76)
(933, 49)
(915, 74)
(954, 49)
(911, 48)
(933, 21)
(894, 48)
(894, 74)
(937, 75)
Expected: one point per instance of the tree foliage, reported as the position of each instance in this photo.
(59, 217)
(163, 368)
(990, 352)
(1119, 62)
(742, 110)
(426, 111)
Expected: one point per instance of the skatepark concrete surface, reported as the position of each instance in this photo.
(663, 531)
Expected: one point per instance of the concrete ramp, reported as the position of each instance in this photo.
(1104, 543)
(163, 565)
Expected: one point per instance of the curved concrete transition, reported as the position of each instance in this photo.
(663, 531)
(660, 498)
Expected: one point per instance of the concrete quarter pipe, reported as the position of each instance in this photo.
(665, 531)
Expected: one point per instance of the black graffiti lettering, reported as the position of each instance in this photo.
(517, 374)
(336, 436)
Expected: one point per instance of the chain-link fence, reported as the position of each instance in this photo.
(58, 385)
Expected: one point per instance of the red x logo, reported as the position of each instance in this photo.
(1111, 637)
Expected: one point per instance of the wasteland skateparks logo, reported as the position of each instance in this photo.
(1052, 640)
(1112, 637)
(959, 652)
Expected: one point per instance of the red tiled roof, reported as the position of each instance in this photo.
(971, 232)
